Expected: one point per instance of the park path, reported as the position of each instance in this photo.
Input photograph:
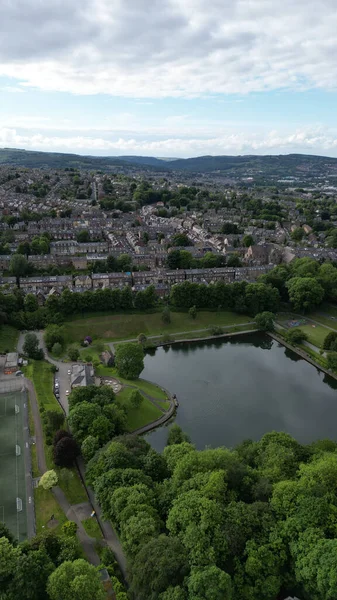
(109, 534)
(156, 337)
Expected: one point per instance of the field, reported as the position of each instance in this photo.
(316, 334)
(8, 339)
(13, 500)
(138, 417)
(127, 326)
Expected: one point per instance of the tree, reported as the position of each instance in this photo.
(160, 563)
(136, 398)
(83, 236)
(31, 575)
(18, 267)
(234, 261)
(332, 361)
(48, 480)
(54, 334)
(296, 336)
(57, 349)
(76, 580)
(31, 347)
(129, 360)
(265, 321)
(89, 447)
(65, 452)
(193, 312)
(180, 239)
(60, 434)
(69, 528)
(31, 303)
(209, 583)
(81, 417)
(142, 339)
(176, 435)
(330, 341)
(9, 557)
(305, 293)
(124, 263)
(73, 353)
(247, 240)
(297, 234)
(166, 315)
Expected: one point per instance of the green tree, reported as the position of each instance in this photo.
(160, 563)
(332, 361)
(305, 293)
(76, 580)
(31, 303)
(234, 260)
(69, 528)
(73, 353)
(54, 334)
(330, 341)
(57, 349)
(31, 347)
(31, 576)
(18, 267)
(9, 557)
(297, 234)
(176, 435)
(193, 312)
(265, 321)
(296, 336)
(209, 583)
(124, 263)
(83, 236)
(81, 417)
(136, 398)
(48, 480)
(89, 447)
(129, 360)
(248, 240)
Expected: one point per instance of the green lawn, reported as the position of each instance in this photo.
(138, 417)
(316, 334)
(92, 528)
(325, 321)
(8, 339)
(126, 326)
(45, 507)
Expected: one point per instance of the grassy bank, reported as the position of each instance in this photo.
(8, 339)
(138, 417)
(127, 326)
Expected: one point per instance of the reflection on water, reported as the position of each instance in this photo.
(240, 388)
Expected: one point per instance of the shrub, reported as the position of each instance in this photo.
(69, 528)
(330, 340)
(295, 336)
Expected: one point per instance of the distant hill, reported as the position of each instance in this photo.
(300, 167)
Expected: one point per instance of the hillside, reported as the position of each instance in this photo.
(300, 167)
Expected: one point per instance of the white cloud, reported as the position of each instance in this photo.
(312, 141)
(158, 48)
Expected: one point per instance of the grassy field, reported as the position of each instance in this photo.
(331, 323)
(316, 333)
(138, 417)
(45, 507)
(92, 528)
(8, 339)
(126, 326)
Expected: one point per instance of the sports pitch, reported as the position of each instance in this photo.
(13, 498)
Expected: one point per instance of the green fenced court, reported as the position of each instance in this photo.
(13, 501)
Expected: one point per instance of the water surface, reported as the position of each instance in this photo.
(241, 388)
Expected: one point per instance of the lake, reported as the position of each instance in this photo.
(241, 388)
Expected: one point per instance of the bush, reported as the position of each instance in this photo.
(295, 336)
(57, 349)
(48, 480)
(136, 398)
(193, 312)
(330, 341)
(73, 353)
(166, 316)
(265, 321)
(332, 361)
(69, 528)
(216, 331)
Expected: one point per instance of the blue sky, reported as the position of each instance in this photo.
(169, 78)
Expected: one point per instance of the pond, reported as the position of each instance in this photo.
(241, 388)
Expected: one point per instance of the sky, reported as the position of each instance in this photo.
(169, 78)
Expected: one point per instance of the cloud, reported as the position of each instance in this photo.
(274, 142)
(169, 48)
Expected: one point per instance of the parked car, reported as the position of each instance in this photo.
(69, 371)
(17, 373)
(67, 392)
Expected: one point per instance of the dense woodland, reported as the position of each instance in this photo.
(220, 524)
